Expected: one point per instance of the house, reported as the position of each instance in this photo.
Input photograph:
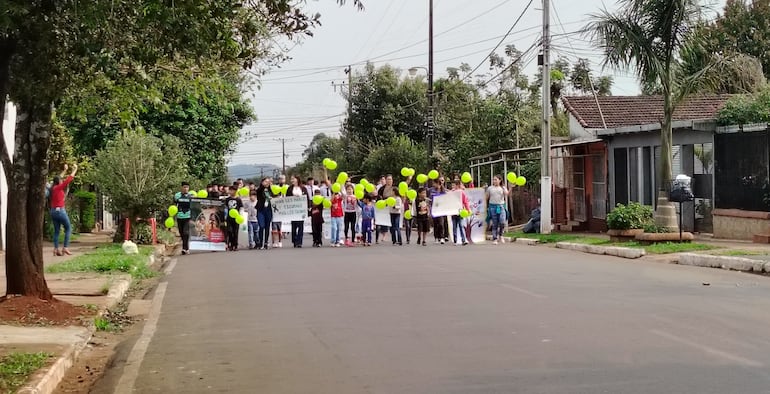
(630, 128)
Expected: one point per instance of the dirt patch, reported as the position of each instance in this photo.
(23, 310)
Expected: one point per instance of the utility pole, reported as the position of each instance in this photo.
(431, 99)
(349, 83)
(545, 155)
(283, 152)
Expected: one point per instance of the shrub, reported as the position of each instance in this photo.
(631, 216)
(86, 204)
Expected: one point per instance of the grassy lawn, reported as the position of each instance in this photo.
(556, 237)
(739, 253)
(108, 259)
(661, 248)
(16, 368)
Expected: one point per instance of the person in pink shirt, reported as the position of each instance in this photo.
(58, 213)
(458, 223)
(350, 205)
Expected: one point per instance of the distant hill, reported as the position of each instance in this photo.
(251, 170)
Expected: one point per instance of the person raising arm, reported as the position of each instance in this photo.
(58, 213)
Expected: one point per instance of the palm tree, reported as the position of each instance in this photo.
(648, 36)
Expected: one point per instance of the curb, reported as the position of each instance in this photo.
(626, 253)
(47, 382)
(724, 262)
(527, 241)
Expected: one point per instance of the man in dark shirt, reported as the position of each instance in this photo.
(232, 202)
(183, 200)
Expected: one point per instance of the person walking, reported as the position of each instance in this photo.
(496, 195)
(264, 213)
(232, 202)
(317, 221)
(59, 213)
(395, 219)
(350, 207)
(182, 200)
(297, 226)
(253, 218)
(458, 222)
(337, 214)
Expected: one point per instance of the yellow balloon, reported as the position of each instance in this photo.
(327, 203)
(433, 174)
(408, 215)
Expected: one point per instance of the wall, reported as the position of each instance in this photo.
(9, 125)
(737, 224)
(577, 131)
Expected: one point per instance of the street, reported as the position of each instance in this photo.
(445, 319)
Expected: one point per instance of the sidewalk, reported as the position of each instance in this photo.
(96, 291)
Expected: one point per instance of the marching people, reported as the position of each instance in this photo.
(350, 207)
(59, 213)
(276, 226)
(250, 206)
(232, 202)
(297, 226)
(496, 195)
(317, 221)
(182, 200)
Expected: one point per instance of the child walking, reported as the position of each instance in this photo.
(232, 202)
(395, 219)
(337, 214)
(317, 221)
(367, 217)
(422, 215)
(251, 209)
(350, 206)
(408, 222)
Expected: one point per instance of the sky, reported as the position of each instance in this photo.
(302, 97)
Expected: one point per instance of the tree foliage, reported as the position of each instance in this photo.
(746, 109)
(139, 172)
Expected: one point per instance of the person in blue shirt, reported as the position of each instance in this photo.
(367, 217)
(182, 200)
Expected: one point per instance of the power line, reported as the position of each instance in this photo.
(501, 40)
(513, 63)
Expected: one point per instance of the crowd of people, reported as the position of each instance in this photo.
(407, 216)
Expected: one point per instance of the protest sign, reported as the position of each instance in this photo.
(289, 209)
(382, 217)
(447, 204)
(207, 230)
(476, 224)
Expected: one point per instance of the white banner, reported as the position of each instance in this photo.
(382, 217)
(476, 224)
(289, 209)
(447, 204)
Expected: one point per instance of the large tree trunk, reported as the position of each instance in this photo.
(26, 203)
(665, 212)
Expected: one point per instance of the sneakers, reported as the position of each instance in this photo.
(280, 245)
(494, 243)
(465, 243)
(442, 241)
(502, 240)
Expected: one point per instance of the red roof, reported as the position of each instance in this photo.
(622, 111)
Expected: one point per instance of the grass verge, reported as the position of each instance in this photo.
(659, 248)
(739, 253)
(556, 237)
(108, 259)
(16, 368)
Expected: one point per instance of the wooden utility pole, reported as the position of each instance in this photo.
(283, 152)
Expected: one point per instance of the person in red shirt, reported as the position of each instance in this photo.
(337, 214)
(58, 213)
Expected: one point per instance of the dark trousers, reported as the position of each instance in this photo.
(232, 233)
(438, 228)
(317, 233)
(366, 230)
(350, 223)
(184, 232)
(296, 232)
(265, 218)
(395, 228)
(408, 229)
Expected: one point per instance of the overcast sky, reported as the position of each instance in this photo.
(299, 100)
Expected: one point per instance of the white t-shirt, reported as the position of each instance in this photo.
(496, 195)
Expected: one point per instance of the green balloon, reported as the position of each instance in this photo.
(275, 189)
(512, 178)
(408, 215)
(173, 210)
(390, 201)
(284, 189)
(466, 177)
(412, 194)
(317, 200)
(521, 181)
(433, 174)
(359, 194)
(464, 213)
(336, 188)
(422, 178)
(405, 171)
(169, 222)
(327, 203)
(370, 188)
(203, 194)
(342, 177)
(240, 219)
(380, 204)
(359, 188)
(233, 213)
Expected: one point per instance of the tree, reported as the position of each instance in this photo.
(46, 47)
(648, 36)
(390, 158)
(206, 113)
(581, 80)
(140, 172)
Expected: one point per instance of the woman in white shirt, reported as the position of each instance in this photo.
(496, 195)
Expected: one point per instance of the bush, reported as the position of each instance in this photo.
(86, 205)
(653, 228)
(632, 216)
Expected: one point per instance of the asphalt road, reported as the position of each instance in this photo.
(445, 319)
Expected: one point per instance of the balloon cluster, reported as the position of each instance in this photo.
(516, 180)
